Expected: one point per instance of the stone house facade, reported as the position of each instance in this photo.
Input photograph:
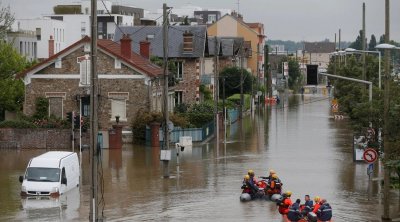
(64, 79)
(187, 48)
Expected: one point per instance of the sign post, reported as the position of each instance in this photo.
(370, 156)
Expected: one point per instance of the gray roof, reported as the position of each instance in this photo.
(319, 47)
(175, 39)
(228, 46)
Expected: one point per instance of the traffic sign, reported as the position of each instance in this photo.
(370, 155)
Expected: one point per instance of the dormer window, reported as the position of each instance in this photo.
(187, 42)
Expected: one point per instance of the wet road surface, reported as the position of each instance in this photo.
(311, 152)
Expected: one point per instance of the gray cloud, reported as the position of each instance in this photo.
(308, 20)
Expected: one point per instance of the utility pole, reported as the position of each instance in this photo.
(363, 43)
(216, 89)
(267, 74)
(340, 39)
(241, 83)
(94, 205)
(335, 59)
(258, 73)
(386, 143)
(165, 67)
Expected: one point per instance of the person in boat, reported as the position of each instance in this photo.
(317, 204)
(252, 176)
(324, 213)
(294, 214)
(307, 206)
(274, 185)
(271, 172)
(285, 203)
(249, 187)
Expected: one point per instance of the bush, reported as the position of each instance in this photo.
(140, 121)
(236, 99)
(181, 108)
(200, 114)
(19, 124)
(179, 120)
(42, 108)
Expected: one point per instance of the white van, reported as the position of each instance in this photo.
(51, 174)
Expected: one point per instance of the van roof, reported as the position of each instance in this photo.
(50, 159)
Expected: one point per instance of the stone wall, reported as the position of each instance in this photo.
(190, 83)
(52, 139)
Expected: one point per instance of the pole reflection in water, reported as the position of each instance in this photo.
(311, 152)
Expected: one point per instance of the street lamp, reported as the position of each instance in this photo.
(351, 50)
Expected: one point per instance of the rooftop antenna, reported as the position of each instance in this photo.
(238, 8)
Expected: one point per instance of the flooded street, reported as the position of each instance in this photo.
(311, 152)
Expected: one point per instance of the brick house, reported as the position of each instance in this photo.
(187, 47)
(64, 79)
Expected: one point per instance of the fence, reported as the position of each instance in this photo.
(232, 115)
(197, 134)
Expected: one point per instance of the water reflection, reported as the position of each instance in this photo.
(311, 152)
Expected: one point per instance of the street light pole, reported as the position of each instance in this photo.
(386, 145)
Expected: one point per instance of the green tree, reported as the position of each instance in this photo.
(294, 72)
(358, 43)
(6, 20)
(232, 81)
(372, 43)
(11, 89)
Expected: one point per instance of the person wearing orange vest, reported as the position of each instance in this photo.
(274, 185)
(285, 203)
(317, 204)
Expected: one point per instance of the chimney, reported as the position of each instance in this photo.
(145, 49)
(51, 46)
(187, 42)
(126, 49)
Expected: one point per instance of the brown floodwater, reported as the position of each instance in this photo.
(311, 152)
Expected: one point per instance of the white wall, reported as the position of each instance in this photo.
(48, 28)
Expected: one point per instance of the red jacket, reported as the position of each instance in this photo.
(284, 206)
(316, 207)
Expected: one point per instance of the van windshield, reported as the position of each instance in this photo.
(43, 174)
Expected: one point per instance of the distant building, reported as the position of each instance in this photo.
(25, 42)
(317, 53)
(252, 33)
(45, 30)
(207, 17)
(278, 49)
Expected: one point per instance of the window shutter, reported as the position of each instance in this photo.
(118, 108)
(85, 72)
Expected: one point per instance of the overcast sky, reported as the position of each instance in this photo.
(309, 20)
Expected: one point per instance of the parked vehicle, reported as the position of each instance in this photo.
(51, 174)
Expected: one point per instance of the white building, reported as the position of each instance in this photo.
(45, 29)
(108, 17)
(24, 42)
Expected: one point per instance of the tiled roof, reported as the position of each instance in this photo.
(175, 39)
(136, 60)
(319, 47)
(111, 47)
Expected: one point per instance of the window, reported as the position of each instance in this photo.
(178, 97)
(118, 105)
(84, 64)
(38, 34)
(85, 106)
(212, 18)
(118, 108)
(56, 107)
(117, 64)
(179, 70)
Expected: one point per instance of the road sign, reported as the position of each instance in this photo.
(370, 169)
(370, 155)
